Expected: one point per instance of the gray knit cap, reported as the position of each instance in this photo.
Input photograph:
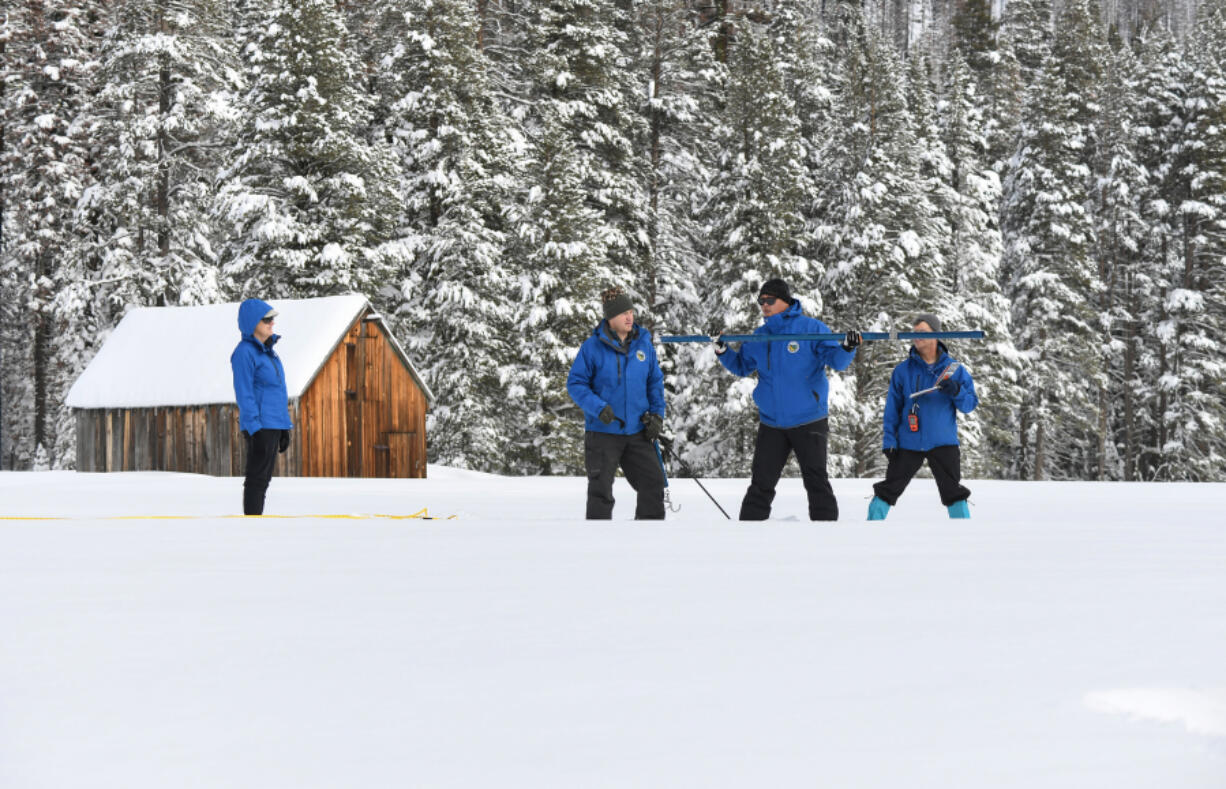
(615, 302)
(928, 318)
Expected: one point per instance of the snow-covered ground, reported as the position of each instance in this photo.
(1069, 635)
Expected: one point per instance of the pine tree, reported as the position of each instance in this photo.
(880, 234)
(1121, 234)
(156, 120)
(1162, 101)
(44, 169)
(684, 84)
(972, 281)
(1053, 284)
(311, 203)
(755, 217)
(455, 297)
(1193, 327)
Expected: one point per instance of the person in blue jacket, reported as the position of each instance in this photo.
(263, 404)
(791, 396)
(924, 427)
(616, 380)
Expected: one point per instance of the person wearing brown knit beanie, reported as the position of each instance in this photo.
(617, 382)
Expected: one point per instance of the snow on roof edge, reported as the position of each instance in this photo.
(180, 356)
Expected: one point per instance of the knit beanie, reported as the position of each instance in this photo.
(615, 302)
(928, 318)
(777, 288)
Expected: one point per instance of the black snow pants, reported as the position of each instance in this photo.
(603, 453)
(261, 459)
(770, 454)
(946, 465)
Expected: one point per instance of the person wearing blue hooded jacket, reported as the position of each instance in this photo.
(263, 403)
(924, 427)
(616, 380)
(791, 396)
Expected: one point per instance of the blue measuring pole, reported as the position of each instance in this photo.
(868, 336)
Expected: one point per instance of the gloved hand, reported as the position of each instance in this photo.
(606, 414)
(720, 347)
(890, 453)
(653, 424)
(283, 444)
(852, 340)
(950, 387)
(246, 435)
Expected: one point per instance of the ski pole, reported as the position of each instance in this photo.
(668, 500)
(868, 336)
(684, 467)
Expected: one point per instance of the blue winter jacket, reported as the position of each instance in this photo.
(626, 377)
(938, 423)
(792, 387)
(259, 378)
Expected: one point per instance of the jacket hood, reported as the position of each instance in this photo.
(249, 314)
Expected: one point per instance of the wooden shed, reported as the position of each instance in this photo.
(159, 395)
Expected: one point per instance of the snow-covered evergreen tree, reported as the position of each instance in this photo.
(311, 203)
(155, 122)
(681, 86)
(1162, 102)
(880, 234)
(456, 296)
(1121, 233)
(972, 280)
(1193, 324)
(755, 217)
(1053, 283)
(44, 168)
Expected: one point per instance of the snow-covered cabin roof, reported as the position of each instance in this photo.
(177, 356)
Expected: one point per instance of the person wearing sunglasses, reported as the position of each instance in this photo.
(263, 403)
(616, 380)
(791, 396)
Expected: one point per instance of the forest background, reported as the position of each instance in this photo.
(1051, 173)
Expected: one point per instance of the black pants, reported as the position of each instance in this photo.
(946, 465)
(770, 454)
(602, 454)
(261, 459)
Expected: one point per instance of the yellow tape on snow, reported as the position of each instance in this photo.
(421, 514)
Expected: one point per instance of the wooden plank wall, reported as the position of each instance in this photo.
(361, 410)
(197, 440)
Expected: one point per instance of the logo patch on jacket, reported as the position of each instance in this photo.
(793, 346)
(642, 357)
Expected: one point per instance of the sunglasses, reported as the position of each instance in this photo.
(267, 320)
(768, 301)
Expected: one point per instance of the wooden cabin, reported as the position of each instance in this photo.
(159, 395)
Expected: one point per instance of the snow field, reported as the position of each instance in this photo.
(1068, 635)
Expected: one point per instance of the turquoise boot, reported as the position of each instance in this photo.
(878, 509)
(959, 509)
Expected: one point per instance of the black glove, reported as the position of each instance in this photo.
(246, 435)
(720, 347)
(852, 340)
(890, 453)
(950, 387)
(653, 424)
(606, 414)
(283, 444)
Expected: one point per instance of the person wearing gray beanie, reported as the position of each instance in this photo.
(617, 382)
(920, 423)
